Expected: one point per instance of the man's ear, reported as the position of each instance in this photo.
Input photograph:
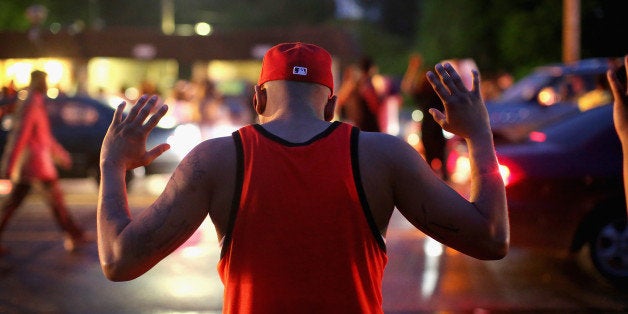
(259, 100)
(330, 109)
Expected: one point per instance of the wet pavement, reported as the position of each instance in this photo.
(38, 276)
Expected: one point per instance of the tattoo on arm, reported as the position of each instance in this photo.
(197, 172)
(157, 234)
(436, 228)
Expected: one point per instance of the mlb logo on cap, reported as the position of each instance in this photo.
(299, 71)
(300, 62)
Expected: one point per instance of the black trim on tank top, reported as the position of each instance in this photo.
(357, 178)
(280, 140)
(237, 193)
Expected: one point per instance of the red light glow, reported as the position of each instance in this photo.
(536, 136)
(5, 187)
(504, 171)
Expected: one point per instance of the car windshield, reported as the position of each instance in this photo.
(548, 89)
(527, 88)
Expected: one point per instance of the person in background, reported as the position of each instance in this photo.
(29, 160)
(416, 85)
(300, 204)
(617, 80)
(358, 99)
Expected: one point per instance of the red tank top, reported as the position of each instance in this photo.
(302, 238)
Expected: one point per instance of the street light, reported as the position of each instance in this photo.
(203, 29)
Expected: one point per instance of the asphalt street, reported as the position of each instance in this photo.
(39, 276)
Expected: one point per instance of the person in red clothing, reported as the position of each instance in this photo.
(300, 204)
(29, 159)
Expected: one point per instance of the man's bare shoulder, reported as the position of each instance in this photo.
(385, 144)
(214, 156)
(218, 143)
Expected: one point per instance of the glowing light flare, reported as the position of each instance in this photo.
(538, 137)
(5, 187)
(22, 94)
(504, 171)
(462, 170)
(433, 252)
(132, 93)
(185, 137)
(547, 96)
(55, 71)
(155, 184)
(180, 287)
(222, 70)
(448, 135)
(20, 72)
(432, 247)
(203, 29)
(53, 93)
(413, 139)
(417, 115)
(101, 70)
(380, 83)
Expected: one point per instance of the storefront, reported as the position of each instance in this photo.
(128, 60)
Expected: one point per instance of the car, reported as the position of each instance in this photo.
(562, 169)
(80, 123)
(548, 93)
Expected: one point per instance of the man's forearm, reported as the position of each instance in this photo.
(112, 216)
(487, 186)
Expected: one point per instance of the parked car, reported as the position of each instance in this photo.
(80, 124)
(563, 173)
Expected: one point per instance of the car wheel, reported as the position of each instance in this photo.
(609, 250)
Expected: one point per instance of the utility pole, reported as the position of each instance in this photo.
(571, 31)
(167, 17)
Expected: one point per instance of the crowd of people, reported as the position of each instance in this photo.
(366, 98)
(194, 102)
(373, 101)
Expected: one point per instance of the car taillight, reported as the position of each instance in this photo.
(504, 171)
(462, 171)
(538, 137)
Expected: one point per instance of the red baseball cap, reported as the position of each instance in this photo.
(299, 62)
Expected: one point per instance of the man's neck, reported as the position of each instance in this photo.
(295, 129)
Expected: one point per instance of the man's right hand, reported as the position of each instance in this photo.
(465, 113)
(124, 146)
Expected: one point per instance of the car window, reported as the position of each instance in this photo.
(572, 87)
(527, 88)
